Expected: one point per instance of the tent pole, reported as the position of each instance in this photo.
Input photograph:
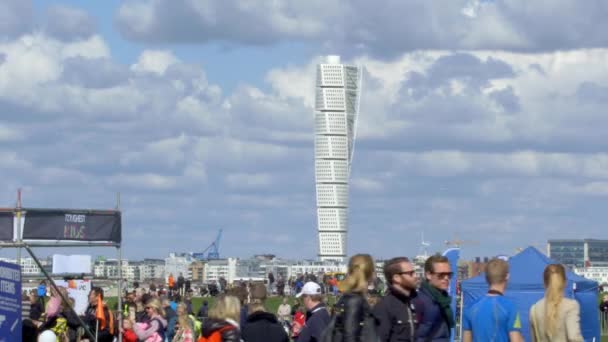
(65, 301)
(461, 310)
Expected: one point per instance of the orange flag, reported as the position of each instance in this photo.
(99, 314)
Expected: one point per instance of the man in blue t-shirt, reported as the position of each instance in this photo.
(493, 318)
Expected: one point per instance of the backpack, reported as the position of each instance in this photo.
(215, 336)
(334, 331)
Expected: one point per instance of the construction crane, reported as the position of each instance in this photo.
(212, 251)
(457, 242)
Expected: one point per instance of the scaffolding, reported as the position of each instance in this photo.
(27, 228)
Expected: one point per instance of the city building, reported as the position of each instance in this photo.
(108, 269)
(315, 267)
(576, 253)
(29, 266)
(597, 273)
(140, 271)
(220, 268)
(177, 264)
(152, 270)
(197, 271)
(338, 91)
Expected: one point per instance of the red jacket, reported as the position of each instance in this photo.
(129, 336)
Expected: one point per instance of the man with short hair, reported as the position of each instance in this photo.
(262, 326)
(433, 303)
(317, 316)
(104, 334)
(494, 317)
(395, 312)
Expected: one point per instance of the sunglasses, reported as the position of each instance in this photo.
(148, 307)
(443, 275)
(409, 273)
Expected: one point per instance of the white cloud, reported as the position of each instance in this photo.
(156, 61)
(519, 163)
(10, 133)
(470, 141)
(367, 184)
(146, 181)
(68, 23)
(249, 181)
(380, 28)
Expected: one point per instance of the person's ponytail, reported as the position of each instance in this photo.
(360, 271)
(555, 282)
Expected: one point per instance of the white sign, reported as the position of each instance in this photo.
(78, 290)
(73, 264)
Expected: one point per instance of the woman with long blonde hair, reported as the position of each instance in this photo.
(223, 319)
(184, 332)
(353, 319)
(555, 318)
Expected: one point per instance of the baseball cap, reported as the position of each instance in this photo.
(310, 288)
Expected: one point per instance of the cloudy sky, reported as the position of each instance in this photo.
(480, 120)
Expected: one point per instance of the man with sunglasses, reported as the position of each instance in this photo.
(395, 314)
(433, 303)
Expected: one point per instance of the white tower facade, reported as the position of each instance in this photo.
(338, 92)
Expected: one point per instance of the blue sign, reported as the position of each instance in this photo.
(10, 302)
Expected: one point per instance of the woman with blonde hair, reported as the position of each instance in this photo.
(352, 320)
(181, 310)
(555, 318)
(156, 326)
(223, 319)
(184, 332)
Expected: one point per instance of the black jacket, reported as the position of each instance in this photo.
(228, 335)
(395, 316)
(264, 327)
(353, 315)
(90, 319)
(431, 323)
(36, 310)
(316, 321)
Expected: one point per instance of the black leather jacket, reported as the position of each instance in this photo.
(396, 316)
(228, 335)
(351, 311)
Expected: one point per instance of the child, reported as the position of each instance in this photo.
(128, 335)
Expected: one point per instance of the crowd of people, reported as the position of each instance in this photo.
(410, 309)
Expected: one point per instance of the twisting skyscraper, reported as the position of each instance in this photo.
(338, 90)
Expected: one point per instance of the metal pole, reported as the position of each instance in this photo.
(461, 311)
(65, 301)
(18, 207)
(120, 290)
(119, 274)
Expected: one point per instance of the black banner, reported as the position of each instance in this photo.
(72, 225)
(6, 226)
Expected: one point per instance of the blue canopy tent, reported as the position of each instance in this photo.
(526, 288)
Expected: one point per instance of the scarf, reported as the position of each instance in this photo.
(444, 301)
